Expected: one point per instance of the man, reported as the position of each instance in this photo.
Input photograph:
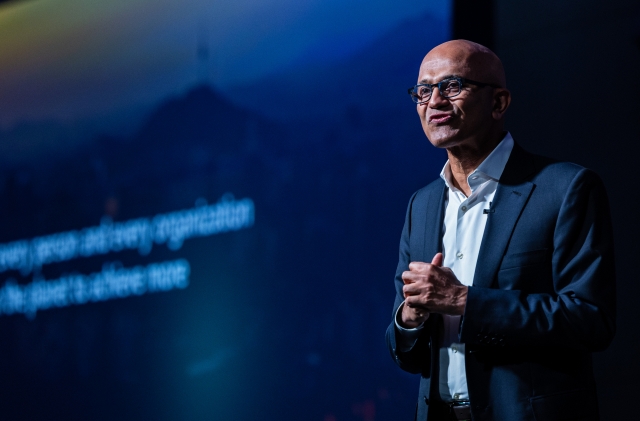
(505, 283)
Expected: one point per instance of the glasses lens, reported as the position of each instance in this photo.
(449, 88)
(420, 93)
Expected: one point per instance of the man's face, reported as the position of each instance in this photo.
(450, 122)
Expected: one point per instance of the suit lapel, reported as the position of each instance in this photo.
(434, 225)
(510, 199)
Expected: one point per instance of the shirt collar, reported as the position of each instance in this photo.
(489, 169)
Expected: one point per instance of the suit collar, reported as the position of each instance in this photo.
(434, 221)
(509, 201)
(519, 167)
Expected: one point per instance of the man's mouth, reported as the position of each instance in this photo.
(439, 118)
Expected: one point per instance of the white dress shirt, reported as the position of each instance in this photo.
(464, 223)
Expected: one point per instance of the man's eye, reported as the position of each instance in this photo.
(424, 90)
(450, 85)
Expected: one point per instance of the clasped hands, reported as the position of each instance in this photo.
(431, 288)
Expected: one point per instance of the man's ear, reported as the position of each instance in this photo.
(501, 101)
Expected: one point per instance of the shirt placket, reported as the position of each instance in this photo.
(463, 233)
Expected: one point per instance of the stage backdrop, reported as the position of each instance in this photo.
(200, 206)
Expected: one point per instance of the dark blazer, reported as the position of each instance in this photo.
(542, 300)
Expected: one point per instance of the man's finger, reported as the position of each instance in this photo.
(437, 260)
(410, 289)
(407, 277)
(416, 266)
(413, 302)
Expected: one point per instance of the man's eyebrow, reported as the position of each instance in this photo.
(425, 82)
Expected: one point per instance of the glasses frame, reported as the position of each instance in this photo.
(461, 80)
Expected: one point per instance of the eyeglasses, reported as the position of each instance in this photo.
(448, 88)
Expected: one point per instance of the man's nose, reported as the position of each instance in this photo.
(437, 100)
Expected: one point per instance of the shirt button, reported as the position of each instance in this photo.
(455, 350)
(464, 209)
(459, 255)
(456, 396)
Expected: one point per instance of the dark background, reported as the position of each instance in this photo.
(563, 60)
(286, 320)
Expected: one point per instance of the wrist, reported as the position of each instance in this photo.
(410, 318)
(461, 300)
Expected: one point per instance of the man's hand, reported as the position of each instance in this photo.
(431, 288)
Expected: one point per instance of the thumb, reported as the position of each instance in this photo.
(437, 260)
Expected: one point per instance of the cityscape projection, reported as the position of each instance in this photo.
(200, 206)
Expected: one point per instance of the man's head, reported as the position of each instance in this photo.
(476, 114)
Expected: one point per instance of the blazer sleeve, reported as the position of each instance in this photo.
(418, 358)
(580, 312)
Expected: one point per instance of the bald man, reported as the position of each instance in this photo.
(505, 283)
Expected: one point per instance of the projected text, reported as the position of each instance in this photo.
(170, 228)
(112, 282)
